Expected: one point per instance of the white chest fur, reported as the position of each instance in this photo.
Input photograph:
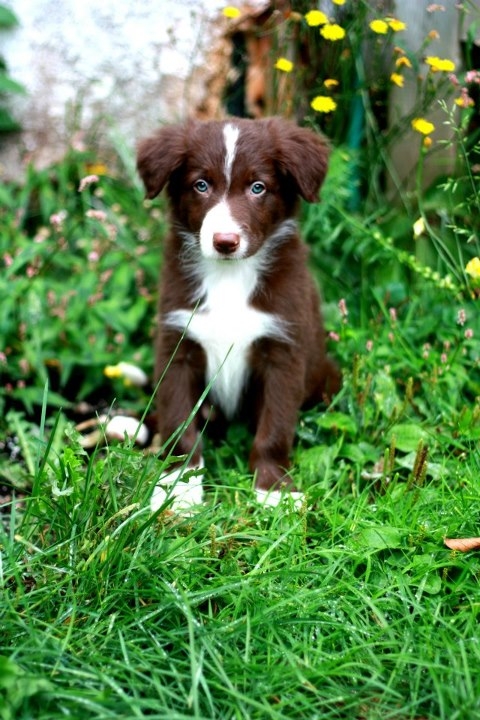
(226, 325)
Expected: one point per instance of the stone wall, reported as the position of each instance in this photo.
(92, 68)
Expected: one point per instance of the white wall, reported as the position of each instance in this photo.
(92, 64)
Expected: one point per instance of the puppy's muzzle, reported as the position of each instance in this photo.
(226, 243)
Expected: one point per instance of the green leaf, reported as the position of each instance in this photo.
(434, 470)
(385, 394)
(8, 672)
(7, 123)
(8, 85)
(380, 537)
(18, 687)
(338, 421)
(8, 19)
(361, 452)
(407, 436)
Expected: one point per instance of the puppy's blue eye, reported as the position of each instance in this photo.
(257, 188)
(201, 186)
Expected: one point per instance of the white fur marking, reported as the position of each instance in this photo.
(230, 135)
(226, 325)
(185, 494)
(219, 219)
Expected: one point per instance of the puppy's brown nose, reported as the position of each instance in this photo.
(226, 243)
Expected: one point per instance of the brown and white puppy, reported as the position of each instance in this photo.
(239, 311)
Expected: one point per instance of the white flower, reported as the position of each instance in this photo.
(121, 426)
(131, 374)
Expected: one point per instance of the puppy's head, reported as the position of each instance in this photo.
(234, 185)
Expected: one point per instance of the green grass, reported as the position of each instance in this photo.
(350, 608)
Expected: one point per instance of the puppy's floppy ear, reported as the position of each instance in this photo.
(301, 153)
(158, 156)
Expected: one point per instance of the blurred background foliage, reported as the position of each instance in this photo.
(80, 262)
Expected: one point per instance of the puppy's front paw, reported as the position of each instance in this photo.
(273, 485)
(185, 493)
(273, 498)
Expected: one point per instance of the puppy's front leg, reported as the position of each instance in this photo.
(178, 393)
(279, 397)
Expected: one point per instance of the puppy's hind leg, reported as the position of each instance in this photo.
(325, 383)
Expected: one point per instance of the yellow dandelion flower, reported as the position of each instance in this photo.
(379, 26)
(323, 104)
(438, 65)
(403, 61)
(397, 79)
(284, 65)
(330, 83)
(422, 126)
(97, 169)
(338, 2)
(315, 18)
(332, 31)
(427, 141)
(231, 12)
(396, 25)
(473, 268)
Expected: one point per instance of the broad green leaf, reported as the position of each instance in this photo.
(337, 421)
(380, 537)
(407, 436)
(385, 394)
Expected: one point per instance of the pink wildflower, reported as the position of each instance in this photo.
(369, 345)
(468, 334)
(461, 317)
(99, 215)
(57, 219)
(472, 76)
(342, 306)
(334, 336)
(86, 181)
(41, 235)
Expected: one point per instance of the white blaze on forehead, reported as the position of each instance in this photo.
(230, 135)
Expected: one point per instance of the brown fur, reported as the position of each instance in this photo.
(284, 376)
